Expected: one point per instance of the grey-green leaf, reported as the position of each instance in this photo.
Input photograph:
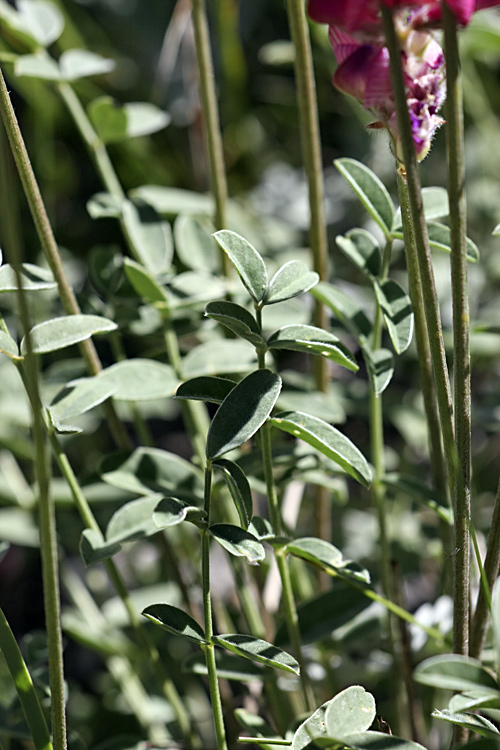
(219, 357)
(242, 412)
(363, 250)
(239, 487)
(328, 440)
(59, 333)
(116, 122)
(207, 388)
(436, 206)
(150, 235)
(195, 246)
(370, 191)
(327, 557)
(455, 672)
(8, 346)
(94, 549)
(398, 315)
(237, 319)
(140, 380)
(33, 278)
(134, 520)
(81, 63)
(258, 650)
(238, 542)
(302, 338)
(292, 279)
(170, 511)
(380, 368)
(80, 396)
(175, 621)
(378, 741)
(313, 726)
(440, 239)
(473, 722)
(144, 282)
(347, 310)
(352, 710)
(247, 262)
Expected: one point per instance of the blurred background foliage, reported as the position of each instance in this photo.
(151, 42)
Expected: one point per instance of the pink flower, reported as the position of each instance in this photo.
(363, 15)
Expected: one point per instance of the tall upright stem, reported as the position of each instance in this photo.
(50, 248)
(211, 117)
(461, 352)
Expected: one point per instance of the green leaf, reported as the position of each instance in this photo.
(36, 22)
(173, 201)
(247, 262)
(398, 315)
(205, 388)
(261, 528)
(148, 470)
(436, 206)
(347, 310)
(289, 281)
(104, 206)
(33, 278)
(440, 239)
(37, 66)
(215, 357)
(170, 511)
(150, 236)
(115, 122)
(94, 549)
(175, 621)
(328, 440)
(239, 488)
(417, 489)
(363, 250)
(140, 380)
(454, 672)
(313, 341)
(237, 319)
(229, 667)
(258, 650)
(195, 246)
(378, 741)
(313, 726)
(474, 723)
(242, 412)
(327, 557)
(59, 333)
(238, 542)
(80, 396)
(352, 710)
(8, 346)
(380, 368)
(144, 283)
(81, 63)
(133, 521)
(190, 288)
(370, 191)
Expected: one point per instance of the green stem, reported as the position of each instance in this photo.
(151, 651)
(47, 523)
(24, 687)
(491, 565)
(50, 248)
(213, 682)
(461, 356)
(311, 152)
(431, 306)
(211, 117)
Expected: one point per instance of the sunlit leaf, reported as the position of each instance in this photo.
(363, 250)
(219, 357)
(33, 278)
(59, 333)
(207, 388)
(175, 621)
(455, 672)
(247, 262)
(352, 710)
(398, 315)
(370, 191)
(473, 722)
(134, 520)
(170, 511)
(237, 319)
(289, 281)
(238, 542)
(258, 650)
(313, 340)
(150, 235)
(239, 488)
(436, 205)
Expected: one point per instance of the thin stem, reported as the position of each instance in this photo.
(491, 565)
(50, 248)
(211, 117)
(311, 153)
(461, 356)
(24, 687)
(213, 682)
(431, 306)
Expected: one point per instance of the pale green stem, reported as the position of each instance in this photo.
(461, 350)
(50, 248)
(151, 651)
(211, 117)
(24, 687)
(213, 682)
(491, 565)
